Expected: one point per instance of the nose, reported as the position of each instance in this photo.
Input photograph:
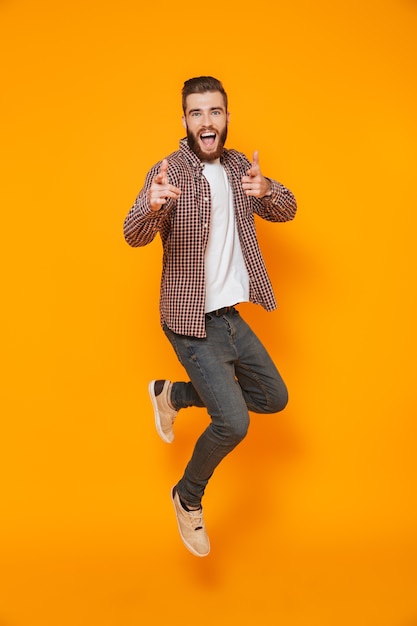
(206, 118)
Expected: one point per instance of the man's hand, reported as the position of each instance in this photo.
(254, 184)
(160, 189)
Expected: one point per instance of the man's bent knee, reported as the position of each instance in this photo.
(234, 432)
(279, 400)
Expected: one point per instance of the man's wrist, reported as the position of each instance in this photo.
(269, 188)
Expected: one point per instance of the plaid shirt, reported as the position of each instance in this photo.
(184, 224)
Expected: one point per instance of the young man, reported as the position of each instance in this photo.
(202, 199)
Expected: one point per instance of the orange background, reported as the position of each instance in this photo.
(313, 518)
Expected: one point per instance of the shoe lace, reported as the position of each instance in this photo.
(196, 519)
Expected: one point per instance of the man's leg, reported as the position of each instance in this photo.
(209, 363)
(230, 372)
(262, 386)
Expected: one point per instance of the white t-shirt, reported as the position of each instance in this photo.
(227, 279)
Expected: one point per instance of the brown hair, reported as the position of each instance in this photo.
(201, 84)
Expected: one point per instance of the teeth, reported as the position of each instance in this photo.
(208, 135)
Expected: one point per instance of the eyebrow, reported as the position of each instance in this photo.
(210, 109)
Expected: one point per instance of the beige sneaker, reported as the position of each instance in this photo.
(192, 528)
(160, 391)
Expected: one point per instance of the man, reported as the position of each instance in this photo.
(202, 200)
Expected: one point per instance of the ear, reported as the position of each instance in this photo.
(228, 117)
(184, 123)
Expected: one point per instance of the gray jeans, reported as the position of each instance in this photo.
(230, 374)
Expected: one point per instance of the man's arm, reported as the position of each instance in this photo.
(274, 202)
(148, 212)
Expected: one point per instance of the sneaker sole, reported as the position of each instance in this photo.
(156, 413)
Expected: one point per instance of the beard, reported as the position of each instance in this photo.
(207, 156)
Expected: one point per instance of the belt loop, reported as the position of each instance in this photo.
(222, 311)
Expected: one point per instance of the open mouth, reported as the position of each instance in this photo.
(208, 138)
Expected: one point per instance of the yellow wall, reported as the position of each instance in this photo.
(313, 519)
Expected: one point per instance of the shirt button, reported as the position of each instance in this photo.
(205, 199)
(205, 225)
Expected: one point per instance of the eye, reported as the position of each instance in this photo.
(195, 114)
(216, 112)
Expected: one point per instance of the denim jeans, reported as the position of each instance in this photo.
(230, 374)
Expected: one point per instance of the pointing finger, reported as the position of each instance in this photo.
(163, 175)
(255, 169)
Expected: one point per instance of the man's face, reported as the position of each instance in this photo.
(206, 121)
